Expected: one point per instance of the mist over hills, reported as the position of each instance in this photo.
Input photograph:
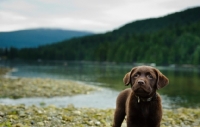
(36, 37)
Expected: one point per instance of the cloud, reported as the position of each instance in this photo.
(179, 4)
(72, 23)
(11, 21)
(19, 6)
(91, 15)
(11, 16)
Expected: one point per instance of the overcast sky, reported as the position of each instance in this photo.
(88, 15)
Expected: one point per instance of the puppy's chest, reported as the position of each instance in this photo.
(144, 110)
(141, 110)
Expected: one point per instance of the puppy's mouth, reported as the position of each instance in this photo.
(142, 91)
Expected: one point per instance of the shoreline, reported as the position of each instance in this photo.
(82, 100)
(39, 91)
(15, 87)
(46, 114)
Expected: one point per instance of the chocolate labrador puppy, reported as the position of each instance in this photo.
(141, 104)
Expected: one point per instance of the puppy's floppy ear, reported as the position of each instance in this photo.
(127, 77)
(162, 80)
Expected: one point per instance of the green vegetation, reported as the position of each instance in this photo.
(173, 39)
(37, 87)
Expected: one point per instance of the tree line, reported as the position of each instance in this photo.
(176, 43)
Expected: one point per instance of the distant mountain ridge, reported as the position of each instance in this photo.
(36, 37)
(171, 39)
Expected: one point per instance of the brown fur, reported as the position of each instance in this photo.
(134, 102)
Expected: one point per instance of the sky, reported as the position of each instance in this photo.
(97, 16)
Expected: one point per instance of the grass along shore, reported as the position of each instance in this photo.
(39, 87)
(69, 116)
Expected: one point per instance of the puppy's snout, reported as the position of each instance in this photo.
(141, 82)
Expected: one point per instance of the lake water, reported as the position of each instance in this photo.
(183, 89)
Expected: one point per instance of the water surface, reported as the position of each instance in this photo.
(183, 89)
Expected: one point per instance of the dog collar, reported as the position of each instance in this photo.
(139, 99)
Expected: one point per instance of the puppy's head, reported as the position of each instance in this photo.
(145, 80)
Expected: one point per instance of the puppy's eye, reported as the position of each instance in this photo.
(149, 76)
(136, 75)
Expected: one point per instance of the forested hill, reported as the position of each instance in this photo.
(185, 17)
(36, 37)
(172, 39)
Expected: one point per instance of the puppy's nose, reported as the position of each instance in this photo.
(141, 82)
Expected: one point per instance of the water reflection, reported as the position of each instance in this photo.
(184, 86)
